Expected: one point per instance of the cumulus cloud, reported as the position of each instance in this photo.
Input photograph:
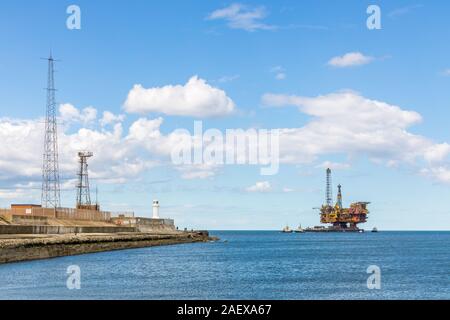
(350, 59)
(346, 123)
(120, 155)
(239, 16)
(111, 118)
(439, 173)
(437, 152)
(69, 113)
(262, 186)
(21, 148)
(341, 123)
(196, 98)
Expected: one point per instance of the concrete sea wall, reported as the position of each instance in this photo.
(146, 224)
(43, 229)
(33, 248)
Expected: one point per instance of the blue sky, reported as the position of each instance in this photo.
(161, 43)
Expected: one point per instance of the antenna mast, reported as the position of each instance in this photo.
(50, 197)
(83, 192)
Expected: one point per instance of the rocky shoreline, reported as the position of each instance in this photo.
(33, 247)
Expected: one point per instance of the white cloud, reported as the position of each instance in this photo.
(69, 113)
(226, 79)
(203, 171)
(118, 156)
(439, 173)
(19, 193)
(342, 123)
(195, 98)
(446, 72)
(110, 118)
(262, 186)
(288, 190)
(144, 128)
(351, 59)
(276, 69)
(21, 148)
(239, 16)
(89, 114)
(334, 165)
(346, 123)
(404, 10)
(280, 73)
(437, 152)
(280, 76)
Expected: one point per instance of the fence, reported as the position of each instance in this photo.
(123, 214)
(82, 214)
(38, 212)
(59, 213)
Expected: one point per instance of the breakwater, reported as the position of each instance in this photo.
(33, 247)
(44, 229)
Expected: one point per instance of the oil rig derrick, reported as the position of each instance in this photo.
(329, 192)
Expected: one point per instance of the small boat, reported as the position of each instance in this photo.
(287, 230)
(375, 230)
(299, 229)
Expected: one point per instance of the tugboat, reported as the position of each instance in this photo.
(287, 230)
(299, 229)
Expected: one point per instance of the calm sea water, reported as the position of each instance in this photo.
(249, 265)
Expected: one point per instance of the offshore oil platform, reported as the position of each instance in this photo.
(341, 219)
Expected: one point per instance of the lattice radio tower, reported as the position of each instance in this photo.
(329, 192)
(83, 192)
(50, 197)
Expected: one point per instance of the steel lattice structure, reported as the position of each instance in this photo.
(83, 192)
(329, 192)
(51, 197)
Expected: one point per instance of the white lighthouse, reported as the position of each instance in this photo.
(155, 209)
